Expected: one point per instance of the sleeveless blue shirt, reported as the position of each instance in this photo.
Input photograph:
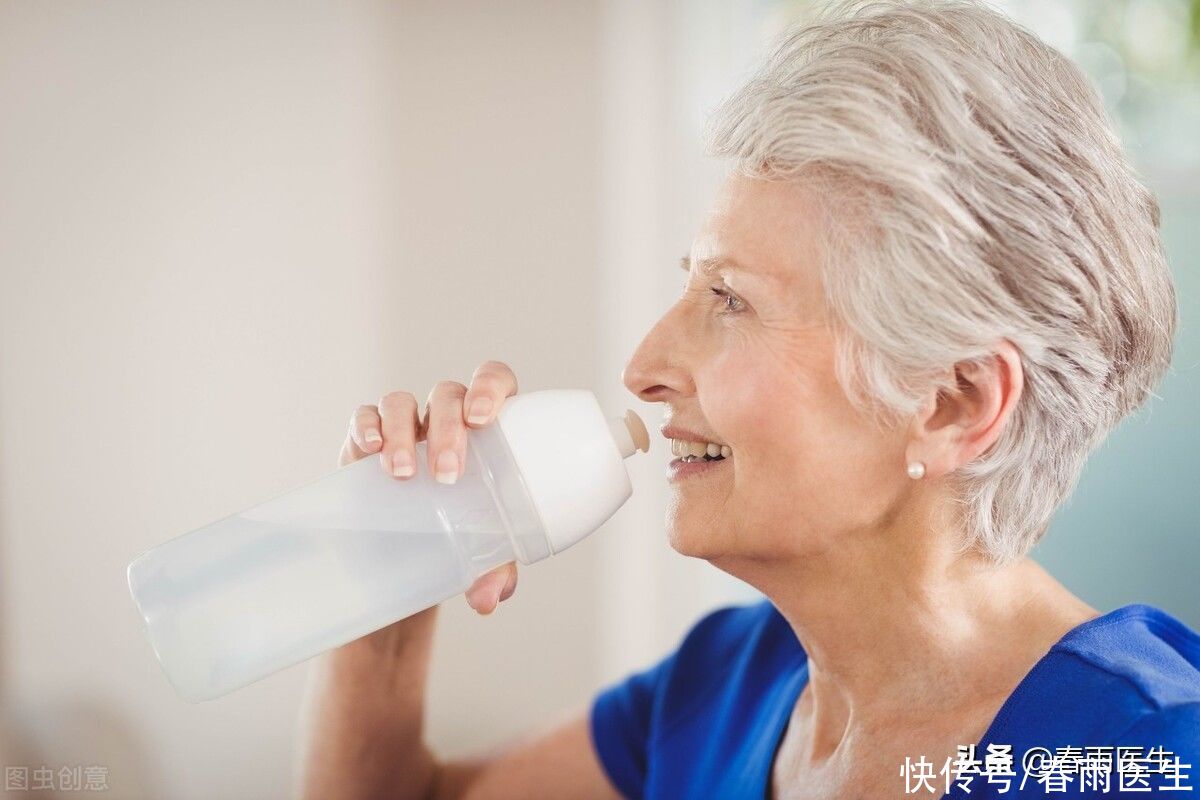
(706, 721)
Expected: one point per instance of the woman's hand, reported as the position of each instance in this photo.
(361, 731)
(392, 430)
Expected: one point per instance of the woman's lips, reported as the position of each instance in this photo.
(679, 469)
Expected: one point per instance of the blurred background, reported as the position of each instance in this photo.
(224, 225)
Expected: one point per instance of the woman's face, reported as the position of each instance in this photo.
(745, 358)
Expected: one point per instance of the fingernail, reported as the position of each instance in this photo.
(480, 408)
(402, 464)
(372, 437)
(446, 467)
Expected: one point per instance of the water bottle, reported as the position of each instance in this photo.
(357, 550)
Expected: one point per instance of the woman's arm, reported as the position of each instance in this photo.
(361, 725)
(363, 716)
(364, 739)
(560, 763)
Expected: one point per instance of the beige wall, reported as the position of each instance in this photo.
(222, 226)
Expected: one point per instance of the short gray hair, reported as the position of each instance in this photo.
(975, 191)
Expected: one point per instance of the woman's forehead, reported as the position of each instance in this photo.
(766, 231)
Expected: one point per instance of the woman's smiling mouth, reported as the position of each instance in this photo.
(694, 457)
(683, 468)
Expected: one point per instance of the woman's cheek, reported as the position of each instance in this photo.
(762, 389)
(732, 398)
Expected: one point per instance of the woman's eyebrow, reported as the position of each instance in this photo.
(708, 266)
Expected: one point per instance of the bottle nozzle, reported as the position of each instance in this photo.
(630, 434)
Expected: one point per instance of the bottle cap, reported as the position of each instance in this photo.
(571, 458)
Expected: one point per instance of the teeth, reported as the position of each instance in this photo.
(691, 451)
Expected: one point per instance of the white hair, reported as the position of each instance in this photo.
(975, 191)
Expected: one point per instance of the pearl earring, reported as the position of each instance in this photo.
(916, 470)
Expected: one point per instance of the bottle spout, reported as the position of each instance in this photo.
(630, 434)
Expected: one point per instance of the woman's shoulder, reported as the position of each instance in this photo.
(737, 650)
(1155, 656)
(1129, 676)
(749, 632)
(727, 685)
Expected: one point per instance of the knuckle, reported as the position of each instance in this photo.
(401, 438)
(485, 384)
(445, 434)
(397, 401)
(443, 392)
(445, 431)
(491, 368)
(448, 388)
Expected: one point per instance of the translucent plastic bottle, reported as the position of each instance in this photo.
(357, 550)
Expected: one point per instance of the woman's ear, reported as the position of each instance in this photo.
(958, 425)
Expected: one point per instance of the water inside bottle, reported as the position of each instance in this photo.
(320, 566)
(251, 597)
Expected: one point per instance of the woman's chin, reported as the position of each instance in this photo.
(698, 525)
(693, 540)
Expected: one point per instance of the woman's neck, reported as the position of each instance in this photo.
(901, 625)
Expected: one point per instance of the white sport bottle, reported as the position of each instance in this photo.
(356, 550)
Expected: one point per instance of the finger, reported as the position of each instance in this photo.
(446, 433)
(349, 452)
(510, 585)
(491, 588)
(492, 382)
(365, 430)
(398, 420)
(359, 442)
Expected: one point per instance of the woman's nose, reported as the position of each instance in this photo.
(658, 370)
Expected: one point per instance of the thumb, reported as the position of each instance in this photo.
(492, 587)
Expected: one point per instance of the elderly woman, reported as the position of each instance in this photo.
(929, 286)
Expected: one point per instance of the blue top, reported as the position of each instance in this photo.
(706, 721)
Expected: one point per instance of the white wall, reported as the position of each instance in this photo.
(666, 65)
(222, 226)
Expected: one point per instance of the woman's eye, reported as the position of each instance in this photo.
(732, 303)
